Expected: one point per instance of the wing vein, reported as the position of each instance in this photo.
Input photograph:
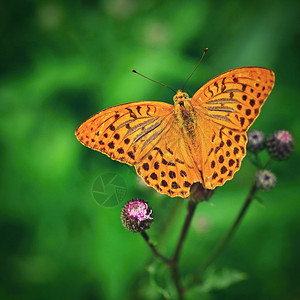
(146, 131)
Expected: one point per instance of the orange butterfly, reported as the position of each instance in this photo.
(199, 139)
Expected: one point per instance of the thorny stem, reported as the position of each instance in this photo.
(230, 233)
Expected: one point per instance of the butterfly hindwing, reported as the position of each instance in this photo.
(169, 166)
(223, 157)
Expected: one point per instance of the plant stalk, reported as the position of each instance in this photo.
(232, 230)
(190, 212)
(153, 248)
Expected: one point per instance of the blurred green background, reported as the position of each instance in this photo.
(62, 61)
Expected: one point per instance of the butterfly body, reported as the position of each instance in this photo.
(184, 113)
(199, 139)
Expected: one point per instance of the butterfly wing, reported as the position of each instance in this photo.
(169, 166)
(144, 134)
(227, 106)
(124, 132)
(147, 135)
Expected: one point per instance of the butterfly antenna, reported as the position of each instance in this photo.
(134, 71)
(206, 49)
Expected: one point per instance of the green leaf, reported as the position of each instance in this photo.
(155, 271)
(218, 280)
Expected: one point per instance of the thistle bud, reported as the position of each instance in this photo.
(136, 215)
(256, 141)
(280, 145)
(265, 180)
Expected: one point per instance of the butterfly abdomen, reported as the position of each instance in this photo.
(185, 116)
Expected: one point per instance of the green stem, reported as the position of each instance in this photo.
(258, 161)
(229, 234)
(176, 279)
(153, 248)
(190, 212)
(254, 159)
(174, 261)
(268, 162)
(198, 194)
(171, 263)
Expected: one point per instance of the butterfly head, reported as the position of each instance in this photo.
(181, 98)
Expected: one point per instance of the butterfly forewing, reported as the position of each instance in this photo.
(234, 98)
(124, 132)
